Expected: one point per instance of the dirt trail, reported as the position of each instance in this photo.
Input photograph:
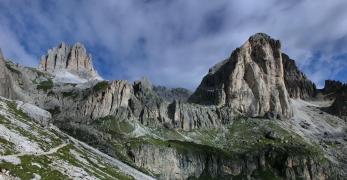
(51, 151)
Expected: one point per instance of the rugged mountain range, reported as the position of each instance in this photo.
(255, 115)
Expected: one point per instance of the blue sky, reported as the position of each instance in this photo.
(175, 42)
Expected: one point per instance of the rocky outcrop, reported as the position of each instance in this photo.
(171, 94)
(338, 91)
(67, 59)
(339, 107)
(250, 81)
(332, 87)
(198, 161)
(297, 84)
(39, 115)
(103, 99)
(6, 82)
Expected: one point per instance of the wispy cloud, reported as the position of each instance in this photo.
(175, 42)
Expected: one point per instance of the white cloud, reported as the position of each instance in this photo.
(174, 43)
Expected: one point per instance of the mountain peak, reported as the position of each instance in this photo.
(262, 39)
(69, 63)
(251, 81)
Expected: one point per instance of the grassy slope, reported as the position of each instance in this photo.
(57, 165)
(245, 135)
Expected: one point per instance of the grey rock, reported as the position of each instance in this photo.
(250, 81)
(172, 163)
(297, 84)
(73, 59)
(7, 88)
(172, 94)
(41, 116)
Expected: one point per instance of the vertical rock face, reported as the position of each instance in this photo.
(73, 59)
(6, 84)
(332, 86)
(297, 84)
(339, 107)
(338, 91)
(250, 81)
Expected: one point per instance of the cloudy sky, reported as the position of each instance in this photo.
(174, 42)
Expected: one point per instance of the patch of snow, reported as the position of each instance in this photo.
(11, 159)
(64, 76)
(67, 77)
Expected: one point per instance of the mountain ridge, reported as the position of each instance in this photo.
(283, 130)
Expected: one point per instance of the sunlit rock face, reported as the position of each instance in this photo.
(69, 63)
(250, 81)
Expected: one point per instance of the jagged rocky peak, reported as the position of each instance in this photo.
(332, 86)
(251, 81)
(297, 84)
(69, 63)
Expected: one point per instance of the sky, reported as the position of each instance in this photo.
(175, 42)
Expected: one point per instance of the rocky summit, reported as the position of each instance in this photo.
(250, 81)
(255, 115)
(69, 63)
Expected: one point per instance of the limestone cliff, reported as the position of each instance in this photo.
(336, 91)
(297, 84)
(66, 59)
(6, 82)
(250, 81)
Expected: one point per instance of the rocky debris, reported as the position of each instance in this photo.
(71, 60)
(250, 81)
(7, 88)
(297, 84)
(171, 94)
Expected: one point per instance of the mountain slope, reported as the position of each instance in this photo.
(29, 150)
